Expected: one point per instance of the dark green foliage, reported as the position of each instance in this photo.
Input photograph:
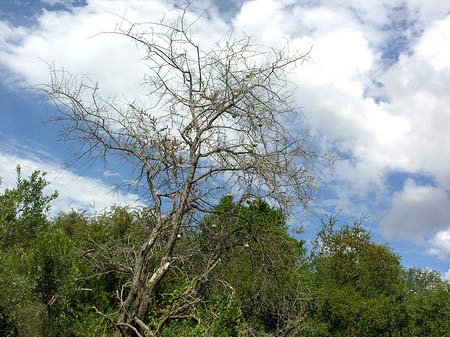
(22, 216)
(261, 262)
(427, 304)
(348, 257)
(237, 273)
(359, 283)
(242, 296)
(55, 273)
(8, 327)
(220, 318)
(39, 266)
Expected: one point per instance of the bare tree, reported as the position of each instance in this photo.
(218, 123)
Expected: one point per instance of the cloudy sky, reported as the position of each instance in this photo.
(376, 91)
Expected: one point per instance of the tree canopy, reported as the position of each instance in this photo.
(255, 280)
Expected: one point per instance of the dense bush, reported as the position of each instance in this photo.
(237, 272)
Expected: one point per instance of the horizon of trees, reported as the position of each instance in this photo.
(236, 273)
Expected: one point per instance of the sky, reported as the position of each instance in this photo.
(375, 92)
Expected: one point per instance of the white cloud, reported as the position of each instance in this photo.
(429, 11)
(417, 212)
(60, 2)
(439, 245)
(111, 174)
(66, 38)
(417, 87)
(75, 191)
(407, 133)
(437, 35)
(446, 276)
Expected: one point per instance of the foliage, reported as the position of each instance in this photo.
(259, 258)
(235, 273)
(427, 304)
(7, 325)
(54, 273)
(359, 283)
(23, 208)
(22, 216)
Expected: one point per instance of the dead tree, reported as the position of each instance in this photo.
(218, 122)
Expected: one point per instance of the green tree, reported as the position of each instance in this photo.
(55, 275)
(104, 243)
(22, 217)
(23, 209)
(261, 262)
(249, 282)
(359, 284)
(427, 304)
(16, 297)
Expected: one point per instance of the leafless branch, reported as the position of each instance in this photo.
(217, 124)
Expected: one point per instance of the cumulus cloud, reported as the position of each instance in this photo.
(417, 212)
(75, 191)
(439, 245)
(67, 40)
(446, 276)
(417, 87)
(80, 41)
(387, 116)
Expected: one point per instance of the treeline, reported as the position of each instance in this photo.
(236, 272)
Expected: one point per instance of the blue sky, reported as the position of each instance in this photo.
(375, 90)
